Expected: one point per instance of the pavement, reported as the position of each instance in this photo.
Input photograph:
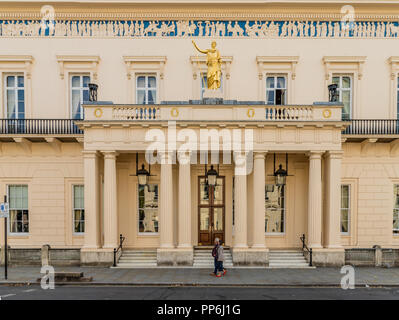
(319, 277)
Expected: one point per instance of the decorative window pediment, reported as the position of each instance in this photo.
(78, 63)
(343, 64)
(277, 64)
(17, 63)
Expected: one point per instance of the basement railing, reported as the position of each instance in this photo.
(39, 126)
(372, 127)
(116, 250)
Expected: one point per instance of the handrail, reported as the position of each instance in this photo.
(304, 246)
(39, 126)
(116, 250)
(372, 127)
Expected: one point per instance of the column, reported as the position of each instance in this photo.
(92, 239)
(259, 200)
(110, 201)
(314, 200)
(333, 199)
(184, 201)
(166, 202)
(240, 202)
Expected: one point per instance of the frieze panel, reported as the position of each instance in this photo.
(197, 28)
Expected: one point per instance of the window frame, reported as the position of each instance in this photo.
(275, 76)
(146, 87)
(81, 89)
(73, 210)
(340, 89)
(348, 233)
(9, 219)
(15, 89)
(138, 212)
(284, 216)
(396, 184)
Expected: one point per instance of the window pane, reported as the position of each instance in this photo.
(140, 97)
(204, 80)
(152, 82)
(335, 80)
(151, 96)
(270, 96)
(346, 100)
(281, 82)
(10, 81)
(86, 80)
(141, 82)
(76, 104)
(20, 81)
(11, 105)
(19, 214)
(270, 82)
(275, 208)
(86, 95)
(21, 95)
(76, 81)
(346, 82)
(148, 208)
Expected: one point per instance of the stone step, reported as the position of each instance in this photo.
(286, 257)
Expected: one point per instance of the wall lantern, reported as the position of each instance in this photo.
(280, 174)
(142, 174)
(93, 91)
(211, 175)
(333, 93)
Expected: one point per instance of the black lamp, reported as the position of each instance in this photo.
(211, 176)
(333, 94)
(93, 91)
(281, 176)
(142, 175)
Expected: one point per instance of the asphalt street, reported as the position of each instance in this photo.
(34, 292)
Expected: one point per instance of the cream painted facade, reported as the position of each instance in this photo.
(300, 41)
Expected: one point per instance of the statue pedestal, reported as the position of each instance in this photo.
(212, 96)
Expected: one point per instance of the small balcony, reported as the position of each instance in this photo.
(380, 129)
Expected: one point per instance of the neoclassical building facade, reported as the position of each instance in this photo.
(271, 157)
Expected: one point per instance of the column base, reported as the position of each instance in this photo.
(96, 257)
(250, 256)
(327, 257)
(175, 256)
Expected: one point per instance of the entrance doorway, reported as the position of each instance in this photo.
(211, 211)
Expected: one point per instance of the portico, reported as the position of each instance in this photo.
(191, 213)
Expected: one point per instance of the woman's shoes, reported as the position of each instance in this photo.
(224, 271)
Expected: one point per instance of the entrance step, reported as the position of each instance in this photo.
(287, 259)
(203, 258)
(137, 259)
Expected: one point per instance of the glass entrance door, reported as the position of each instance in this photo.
(210, 211)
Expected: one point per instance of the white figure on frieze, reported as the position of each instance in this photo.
(220, 29)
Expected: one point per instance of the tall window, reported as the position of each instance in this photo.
(397, 101)
(78, 209)
(148, 208)
(146, 89)
(344, 87)
(18, 206)
(15, 96)
(396, 209)
(276, 89)
(345, 208)
(79, 93)
(275, 208)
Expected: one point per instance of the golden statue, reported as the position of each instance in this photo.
(214, 63)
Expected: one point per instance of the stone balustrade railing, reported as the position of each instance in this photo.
(300, 113)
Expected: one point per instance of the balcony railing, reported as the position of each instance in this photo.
(39, 126)
(373, 127)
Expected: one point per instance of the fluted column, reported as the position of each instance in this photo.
(240, 202)
(333, 199)
(184, 201)
(259, 200)
(314, 200)
(166, 202)
(110, 200)
(91, 200)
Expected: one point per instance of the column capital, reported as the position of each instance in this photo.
(334, 154)
(89, 154)
(165, 157)
(112, 154)
(315, 154)
(260, 155)
(184, 157)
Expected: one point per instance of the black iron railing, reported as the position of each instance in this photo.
(39, 126)
(116, 250)
(372, 127)
(305, 247)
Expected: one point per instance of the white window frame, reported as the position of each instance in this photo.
(349, 209)
(275, 76)
(73, 210)
(340, 89)
(147, 88)
(9, 219)
(80, 88)
(397, 97)
(285, 213)
(138, 213)
(15, 89)
(396, 234)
